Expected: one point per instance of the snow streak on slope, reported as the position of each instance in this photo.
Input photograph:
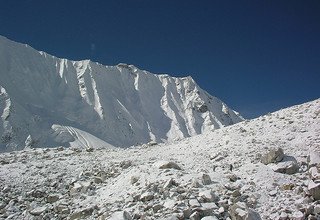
(120, 105)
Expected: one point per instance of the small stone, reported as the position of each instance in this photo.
(195, 183)
(316, 209)
(314, 189)
(233, 177)
(314, 173)
(221, 210)
(167, 165)
(195, 216)
(274, 155)
(157, 207)
(283, 216)
(209, 218)
(313, 158)
(168, 184)
(97, 180)
(194, 203)
(134, 179)
(287, 167)
(52, 198)
(125, 164)
(62, 208)
(240, 211)
(80, 214)
(38, 210)
(297, 216)
(120, 215)
(152, 143)
(273, 193)
(206, 180)
(2, 204)
(207, 208)
(147, 196)
(207, 196)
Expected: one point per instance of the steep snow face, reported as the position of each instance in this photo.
(47, 101)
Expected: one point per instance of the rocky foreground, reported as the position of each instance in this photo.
(266, 168)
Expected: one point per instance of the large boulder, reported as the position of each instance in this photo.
(273, 156)
(286, 167)
(313, 158)
(314, 189)
(240, 211)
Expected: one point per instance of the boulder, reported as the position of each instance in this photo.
(38, 210)
(52, 198)
(206, 180)
(120, 215)
(273, 156)
(313, 158)
(80, 214)
(286, 167)
(167, 165)
(207, 196)
(240, 211)
(147, 196)
(314, 173)
(298, 215)
(314, 189)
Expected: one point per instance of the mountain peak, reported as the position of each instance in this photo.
(48, 101)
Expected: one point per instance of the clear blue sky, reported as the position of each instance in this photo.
(256, 55)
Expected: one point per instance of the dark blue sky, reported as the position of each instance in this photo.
(257, 56)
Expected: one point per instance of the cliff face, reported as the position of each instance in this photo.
(47, 101)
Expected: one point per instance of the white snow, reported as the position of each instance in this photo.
(120, 105)
(296, 130)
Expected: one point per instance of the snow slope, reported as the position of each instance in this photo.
(44, 100)
(108, 183)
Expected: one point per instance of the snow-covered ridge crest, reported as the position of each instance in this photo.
(48, 101)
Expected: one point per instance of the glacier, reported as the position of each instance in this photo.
(46, 101)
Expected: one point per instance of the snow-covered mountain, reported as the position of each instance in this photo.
(47, 101)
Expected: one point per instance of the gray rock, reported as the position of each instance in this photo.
(147, 196)
(273, 156)
(157, 207)
(120, 215)
(207, 208)
(297, 216)
(273, 193)
(168, 184)
(283, 216)
(52, 198)
(314, 189)
(134, 179)
(195, 216)
(167, 165)
(83, 213)
(240, 211)
(62, 208)
(195, 183)
(313, 158)
(286, 167)
(38, 210)
(194, 203)
(97, 180)
(209, 218)
(314, 173)
(208, 196)
(206, 180)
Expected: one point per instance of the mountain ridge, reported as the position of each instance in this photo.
(42, 96)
